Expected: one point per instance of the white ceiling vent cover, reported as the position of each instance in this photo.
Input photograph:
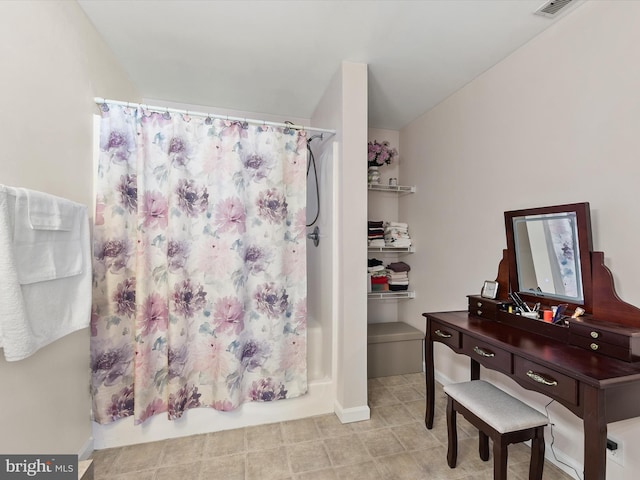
(553, 7)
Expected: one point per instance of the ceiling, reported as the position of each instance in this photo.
(278, 57)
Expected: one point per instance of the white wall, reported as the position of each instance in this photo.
(349, 92)
(54, 64)
(556, 122)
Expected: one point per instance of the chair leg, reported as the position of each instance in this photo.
(500, 457)
(452, 435)
(483, 445)
(537, 455)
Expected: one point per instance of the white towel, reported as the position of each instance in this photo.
(35, 314)
(46, 238)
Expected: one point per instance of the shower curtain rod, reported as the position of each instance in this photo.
(100, 101)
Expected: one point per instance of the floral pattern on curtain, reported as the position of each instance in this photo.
(199, 265)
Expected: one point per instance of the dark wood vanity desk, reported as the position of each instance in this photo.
(588, 364)
(596, 388)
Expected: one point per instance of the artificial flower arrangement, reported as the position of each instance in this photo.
(381, 154)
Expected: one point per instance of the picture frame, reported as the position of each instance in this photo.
(489, 289)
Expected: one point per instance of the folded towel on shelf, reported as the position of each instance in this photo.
(43, 299)
(399, 267)
(376, 268)
(398, 242)
(398, 288)
(398, 224)
(377, 243)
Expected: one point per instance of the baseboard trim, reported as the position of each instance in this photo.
(353, 414)
(86, 450)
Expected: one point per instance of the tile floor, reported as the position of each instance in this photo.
(393, 444)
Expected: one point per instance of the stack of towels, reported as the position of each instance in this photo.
(378, 274)
(396, 234)
(375, 233)
(398, 276)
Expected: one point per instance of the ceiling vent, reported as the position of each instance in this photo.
(552, 8)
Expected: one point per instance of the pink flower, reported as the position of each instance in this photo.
(272, 206)
(155, 315)
(155, 407)
(100, 206)
(228, 315)
(155, 210)
(230, 215)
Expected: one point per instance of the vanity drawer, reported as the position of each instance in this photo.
(483, 307)
(487, 355)
(446, 335)
(546, 381)
(604, 348)
(614, 341)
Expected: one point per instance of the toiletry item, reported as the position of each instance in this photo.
(557, 317)
(579, 311)
(393, 182)
(547, 316)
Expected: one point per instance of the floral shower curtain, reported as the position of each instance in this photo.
(199, 265)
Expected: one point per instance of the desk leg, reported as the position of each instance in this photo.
(429, 375)
(475, 370)
(595, 434)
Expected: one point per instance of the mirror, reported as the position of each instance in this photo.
(549, 253)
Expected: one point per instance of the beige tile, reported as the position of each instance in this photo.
(308, 456)
(393, 380)
(103, 461)
(300, 431)
(415, 378)
(331, 426)
(183, 450)
(327, 474)
(225, 442)
(400, 466)
(360, 471)
(406, 393)
(270, 464)
(415, 436)
(417, 409)
(230, 467)
(433, 464)
(395, 414)
(381, 396)
(142, 475)
(346, 450)
(132, 458)
(374, 382)
(263, 436)
(184, 470)
(375, 421)
(381, 442)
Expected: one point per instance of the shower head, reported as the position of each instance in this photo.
(313, 137)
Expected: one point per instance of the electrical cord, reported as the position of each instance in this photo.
(553, 440)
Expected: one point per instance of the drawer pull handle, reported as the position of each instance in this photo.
(479, 304)
(536, 377)
(442, 334)
(594, 346)
(479, 313)
(483, 353)
(595, 334)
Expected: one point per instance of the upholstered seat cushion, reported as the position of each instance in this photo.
(495, 407)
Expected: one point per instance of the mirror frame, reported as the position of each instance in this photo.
(583, 226)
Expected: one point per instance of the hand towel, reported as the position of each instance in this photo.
(46, 239)
(32, 315)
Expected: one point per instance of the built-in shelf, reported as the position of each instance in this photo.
(391, 249)
(396, 188)
(390, 295)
